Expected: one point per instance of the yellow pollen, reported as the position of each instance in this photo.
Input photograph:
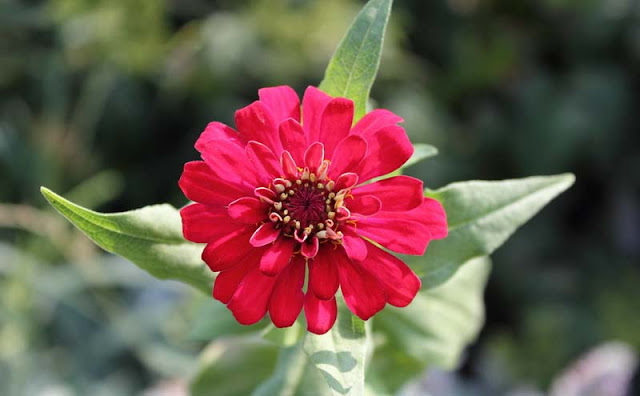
(298, 182)
(332, 195)
(320, 226)
(312, 177)
(291, 192)
(277, 205)
(283, 196)
(331, 215)
(320, 186)
(286, 219)
(279, 188)
(297, 225)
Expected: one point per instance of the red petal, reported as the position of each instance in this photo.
(264, 161)
(227, 281)
(362, 292)
(289, 166)
(293, 139)
(373, 121)
(336, 122)
(353, 245)
(323, 275)
(310, 248)
(217, 131)
(398, 193)
(249, 302)
(228, 251)
(200, 184)
(314, 156)
(255, 122)
(248, 210)
(406, 232)
(348, 154)
(229, 162)
(287, 298)
(366, 205)
(277, 257)
(282, 101)
(400, 282)
(203, 224)
(264, 235)
(320, 314)
(388, 149)
(346, 180)
(313, 104)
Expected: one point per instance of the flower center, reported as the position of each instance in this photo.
(307, 206)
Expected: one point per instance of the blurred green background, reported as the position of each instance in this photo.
(102, 100)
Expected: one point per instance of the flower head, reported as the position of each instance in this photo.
(287, 193)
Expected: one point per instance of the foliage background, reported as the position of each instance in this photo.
(103, 99)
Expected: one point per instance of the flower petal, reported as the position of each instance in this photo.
(287, 297)
(289, 166)
(255, 122)
(200, 184)
(203, 223)
(406, 232)
(249, 302)
(373, 121)
(293, 139)
(264, 161)
(320, 314)
(323, 275)
(400, 283)
(362, 292)
(388, 149)
(347, 155)
(398, 193)
(264, 235)
(228, 251)
(314, 156)
(346, 180)
(310, 247)
(282, 101)
(227, 281)
(353, 245)
(217, 131)
(366, 205)
(247, 210)
(230, 163)
(313, 104)
(335, 125)
(277, 257)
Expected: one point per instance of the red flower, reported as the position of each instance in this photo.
(286, 192)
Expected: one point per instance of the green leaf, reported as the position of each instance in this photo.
(481, 216)
(354, 65)
(421, 152)
(340, 354)
(286, 336)
(234, 366)
(434, 329)
(150, 237)
(293, 375)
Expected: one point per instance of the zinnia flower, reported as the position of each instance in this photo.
(287, 192)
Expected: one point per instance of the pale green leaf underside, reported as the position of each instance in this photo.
(481, 216)
(434, 329)
(150, 237)
(353, 67)
(421, 152)
(340, 353)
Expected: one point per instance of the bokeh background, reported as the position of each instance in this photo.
(102, 100)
